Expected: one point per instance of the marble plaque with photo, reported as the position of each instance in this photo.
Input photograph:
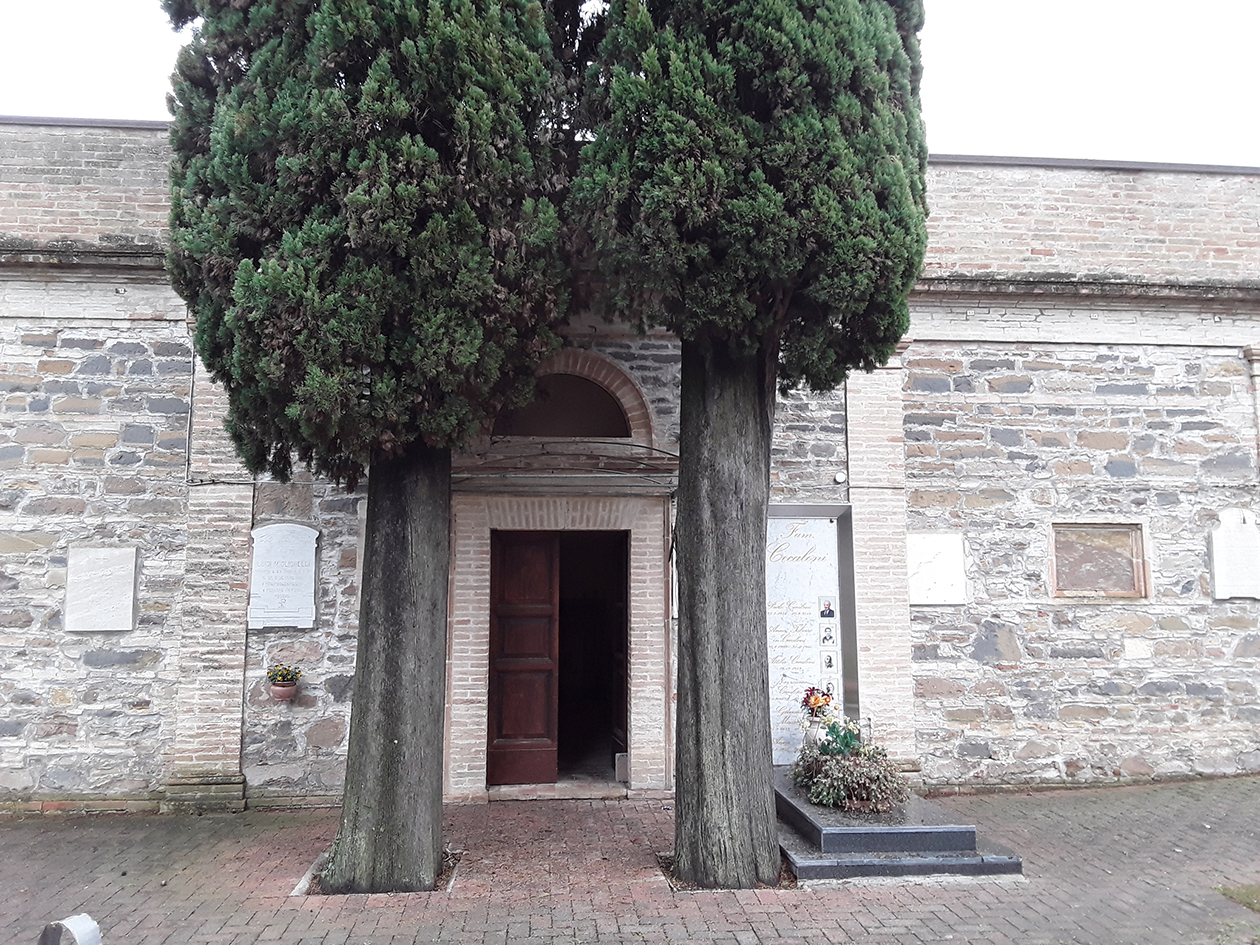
(801, 584)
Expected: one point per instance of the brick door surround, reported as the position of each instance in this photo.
(474, 516)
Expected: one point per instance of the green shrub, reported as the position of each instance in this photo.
(842, 737)
(864, 779)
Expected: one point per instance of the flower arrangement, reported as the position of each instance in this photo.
(817, 703)
(279, 673)
(837, 769)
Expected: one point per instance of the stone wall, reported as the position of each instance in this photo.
(1078, 358)
(810, 447)
(297, 750)
(1004, 440)
(96, 376)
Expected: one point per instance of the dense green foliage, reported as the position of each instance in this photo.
(363, 219)
(758, 175)
(840, 770)
(865, 780)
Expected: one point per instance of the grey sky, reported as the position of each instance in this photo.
(1120, 79)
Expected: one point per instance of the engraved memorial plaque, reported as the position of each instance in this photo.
(1234, 552)
(801, 606)
(100, 589)
(282, 578)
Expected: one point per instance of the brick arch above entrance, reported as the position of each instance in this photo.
(601, 371)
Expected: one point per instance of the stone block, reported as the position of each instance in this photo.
(1120, 467)
(987, 498)
(1095, 440)
(283, 500)
(1136, 767)
(1010, 385)
(1034, 749)
(996, 643)
(1247, 647)
(929, 688)
(1086, 713)
(122, 659)
(328, 733)
(25, 542)
(974, 750)
(920, 499)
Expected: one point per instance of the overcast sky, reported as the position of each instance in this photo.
(1140, 80)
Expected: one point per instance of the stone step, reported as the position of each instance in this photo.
(809, 863)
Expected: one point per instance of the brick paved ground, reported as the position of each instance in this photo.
(1104, 866)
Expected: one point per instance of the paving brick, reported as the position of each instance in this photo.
(1102, 865)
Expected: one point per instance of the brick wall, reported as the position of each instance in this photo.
(1074, 223)
(93, 185)
(877, 476)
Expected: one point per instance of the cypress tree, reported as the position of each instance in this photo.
(362, 223)
(756, 185)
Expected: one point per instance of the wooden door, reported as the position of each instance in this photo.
(524, 657)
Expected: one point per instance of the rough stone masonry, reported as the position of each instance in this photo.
(1083, 355)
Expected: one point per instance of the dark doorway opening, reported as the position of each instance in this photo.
(593, 697)
(558, 700)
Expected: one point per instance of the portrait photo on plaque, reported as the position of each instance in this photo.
(827, 634)
(829, 662)
(825, 608)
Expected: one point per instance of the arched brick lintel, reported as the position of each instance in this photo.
(606, 374)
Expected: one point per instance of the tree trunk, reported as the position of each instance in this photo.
(390, 839)
(724, 821)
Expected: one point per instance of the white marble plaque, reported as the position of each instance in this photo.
(282, 579)
(937, 568)
(100, 589)
(801, 609)
(1234, 550)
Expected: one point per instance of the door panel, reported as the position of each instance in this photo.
(525, 637)
(524, 657)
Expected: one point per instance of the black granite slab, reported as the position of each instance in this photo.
(917, 838)
(917, 825)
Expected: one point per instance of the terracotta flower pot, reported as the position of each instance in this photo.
(283, 691)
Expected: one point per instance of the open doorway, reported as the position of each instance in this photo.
(592, 697)
(558, 694)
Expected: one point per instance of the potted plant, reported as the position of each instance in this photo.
(283, 680)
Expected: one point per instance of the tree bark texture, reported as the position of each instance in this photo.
(725, 833)
(390, 839)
